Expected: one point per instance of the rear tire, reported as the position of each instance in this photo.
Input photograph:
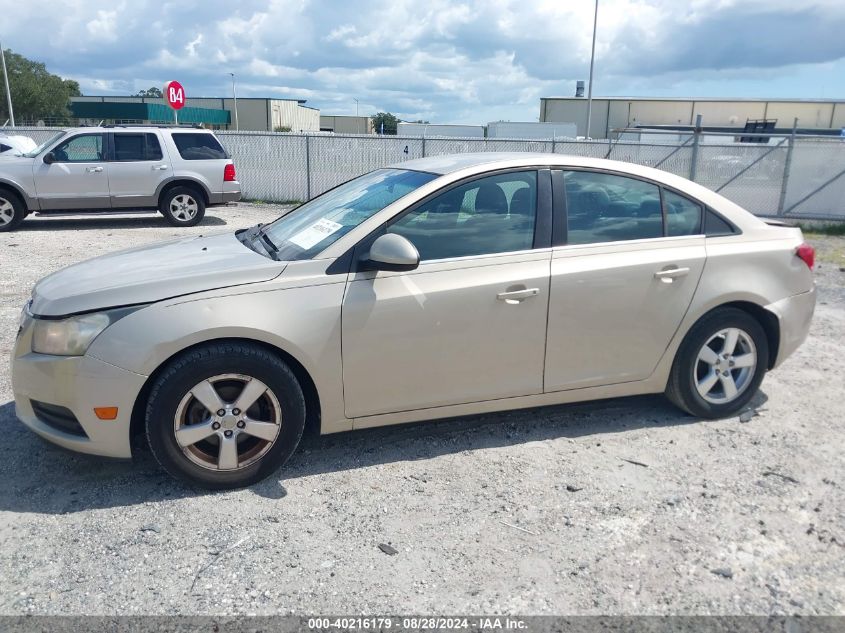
(12, 211)
(720, 364)
(182, 206)
(194, 442)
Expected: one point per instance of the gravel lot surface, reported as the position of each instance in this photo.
(621, 506)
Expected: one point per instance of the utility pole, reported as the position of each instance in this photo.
(592, 61)
(235, 98)
(8, 92)
(357, 120)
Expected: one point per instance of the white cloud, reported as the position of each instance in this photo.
(441, 60)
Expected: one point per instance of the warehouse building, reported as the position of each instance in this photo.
(611, 113)
(259, 114)
(341, 124)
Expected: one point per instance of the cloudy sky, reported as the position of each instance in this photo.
(443, 61)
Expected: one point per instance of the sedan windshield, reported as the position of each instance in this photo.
(315, 225)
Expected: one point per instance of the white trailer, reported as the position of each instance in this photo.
(531, 130)
(429, 130)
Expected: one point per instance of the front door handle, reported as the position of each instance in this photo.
(160, 167)
(94, 170)
(666, 276)
(516, 296)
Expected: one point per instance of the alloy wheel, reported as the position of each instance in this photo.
(725, 366)
(227, 422)
(183, 207)
(7, 212)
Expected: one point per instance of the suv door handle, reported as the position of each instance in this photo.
(517, 296)
(160, 167)
(94, 170)
(669, 274)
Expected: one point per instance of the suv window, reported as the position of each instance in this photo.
(153, 147)
(198, 146)
(606, 208)
(129, 147)
(495, 214)
(683, 216)
(84, 148)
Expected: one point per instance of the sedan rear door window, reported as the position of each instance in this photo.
(683, 216)
(604, 207)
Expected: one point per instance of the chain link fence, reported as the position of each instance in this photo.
(788, 176)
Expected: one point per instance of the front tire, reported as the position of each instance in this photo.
(182, 206)
(225, 415)
(720, 364)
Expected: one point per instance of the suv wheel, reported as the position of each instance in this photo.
(225, 415)
(182, 206)
(12, 211)
(720, 364)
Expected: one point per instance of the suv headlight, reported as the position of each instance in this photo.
(73, 336)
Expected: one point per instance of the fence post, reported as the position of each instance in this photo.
(787, 165)
(554, 142)
(308, 166)
(697, 135)
(423, 147)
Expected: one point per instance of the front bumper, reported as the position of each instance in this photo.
(77, 383)
(795, 314)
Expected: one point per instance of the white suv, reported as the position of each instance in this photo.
(178, 170)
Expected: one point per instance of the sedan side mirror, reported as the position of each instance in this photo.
(392, 252)
(49, 158)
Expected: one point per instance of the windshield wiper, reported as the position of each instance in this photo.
(269, 245)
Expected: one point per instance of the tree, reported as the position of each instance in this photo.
(36, 93)
(150, 92)
(390, 122)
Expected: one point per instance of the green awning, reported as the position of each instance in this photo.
(146, 112)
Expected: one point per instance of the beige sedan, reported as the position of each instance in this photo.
(439, 287)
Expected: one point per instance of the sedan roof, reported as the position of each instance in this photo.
(486, 161)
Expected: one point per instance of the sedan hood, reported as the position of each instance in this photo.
(152, 273)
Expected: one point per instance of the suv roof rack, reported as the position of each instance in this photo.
(196, 126)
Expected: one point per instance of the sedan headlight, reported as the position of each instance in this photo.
(73, 336)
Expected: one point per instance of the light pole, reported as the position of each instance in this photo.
(8, 92)
(357, 120)
(592, 60)
(235, 97)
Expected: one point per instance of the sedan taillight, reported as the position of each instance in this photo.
(229, 173)
(807, 253)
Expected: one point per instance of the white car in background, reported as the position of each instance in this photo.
(16, 145)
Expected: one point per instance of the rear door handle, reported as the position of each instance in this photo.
(160, 167)
(672, 273)
(94, 170)
(516, 296)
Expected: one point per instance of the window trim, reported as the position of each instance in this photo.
(542, 229)
(561, 212)
(63, 140)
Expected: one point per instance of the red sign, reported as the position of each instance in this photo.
(174, 94)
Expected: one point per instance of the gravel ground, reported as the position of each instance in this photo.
(616, 507)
